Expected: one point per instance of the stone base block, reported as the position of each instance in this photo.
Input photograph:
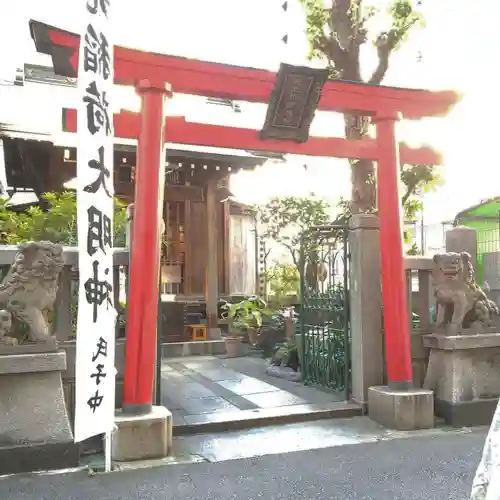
(401, 410)
(142, 437)
(464, 374)
(38, 457)
(30, 348)
(466, 413)
(35, 433)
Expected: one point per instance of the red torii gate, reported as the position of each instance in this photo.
(153, 75)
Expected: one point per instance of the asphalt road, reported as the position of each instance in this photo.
(427, 468)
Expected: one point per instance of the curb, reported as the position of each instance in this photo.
(248, 419)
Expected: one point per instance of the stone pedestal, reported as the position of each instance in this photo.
(407, 410)
(35, 432)
(142, 437)
(464, 373)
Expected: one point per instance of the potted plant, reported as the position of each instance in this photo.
(244, 319)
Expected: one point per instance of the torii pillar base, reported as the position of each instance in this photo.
(407, 410)
(142, 437)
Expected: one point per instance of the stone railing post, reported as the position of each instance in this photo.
(367, 358)
(422, 305)
(64, 297)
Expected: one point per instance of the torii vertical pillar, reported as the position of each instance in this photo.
(394, 290)
(142, 303)
(396, 405)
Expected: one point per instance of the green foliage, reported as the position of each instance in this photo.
(418, 179)
(404, 18)
(283, 281)
(57, 224)
(284, 219)
(413, 249)
(246, 314)
(317, 18)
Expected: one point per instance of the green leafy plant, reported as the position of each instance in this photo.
(245, 315)
(56, 224)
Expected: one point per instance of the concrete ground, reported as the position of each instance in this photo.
(279, 439)
(209, 394)
(433, 466)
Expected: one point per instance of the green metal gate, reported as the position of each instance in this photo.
(324, 310)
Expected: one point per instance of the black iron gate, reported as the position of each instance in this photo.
(324, 311)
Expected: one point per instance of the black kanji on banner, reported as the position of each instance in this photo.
(103, 174)
(96, 56)
(95, 6)
(102, 350)
(99, 231)
(97, 110)
(95, 401)
(98, 374)
(98, 292)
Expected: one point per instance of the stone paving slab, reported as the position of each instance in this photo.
(209, 394)
(255, 367)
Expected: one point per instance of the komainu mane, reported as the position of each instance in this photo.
(461, 302)
(30, 288)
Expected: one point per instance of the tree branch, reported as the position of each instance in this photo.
(386, 43)
(292, 253)
(384, 48)
(341, 23)
(333, 51)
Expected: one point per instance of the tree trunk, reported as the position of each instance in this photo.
(363, 185)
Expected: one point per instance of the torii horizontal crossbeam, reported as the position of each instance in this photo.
(190, 76)
(179, 131)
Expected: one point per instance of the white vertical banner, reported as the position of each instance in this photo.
(95, 341)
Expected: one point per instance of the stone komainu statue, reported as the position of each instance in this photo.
(30, 288)
(460, 301)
